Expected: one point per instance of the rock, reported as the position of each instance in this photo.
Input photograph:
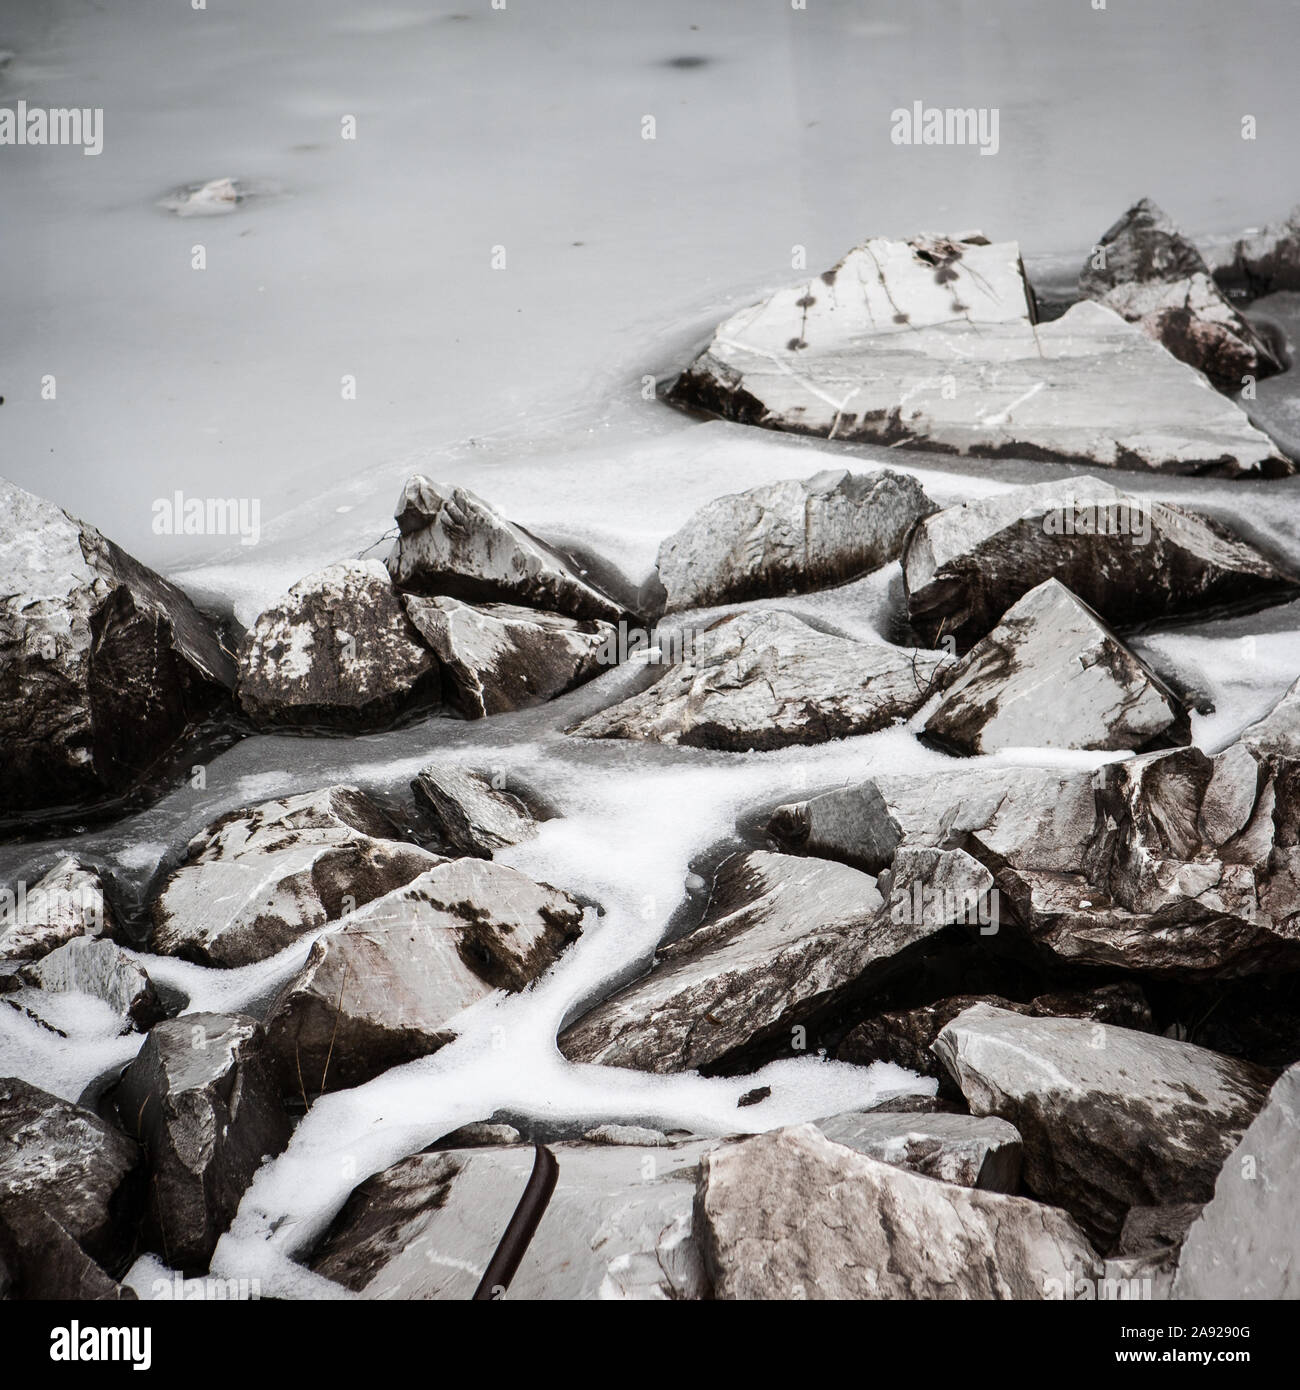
(258, 879)
(88, 965)
(1278, 732)
(381, 986)
(202, 1102)
(337, 651)
(497, 657)
(68, 902)
(1154, 277)
(781, 937)
(906, 1037)
(104, 666)
(1129, 559)
(480, 1134)
(617, 1226)
(1053, 675)
(472, 815)
(790, 537)
(961, 1149)
(1148, 1229)
(932, 343)
(68, 1192)
(766, 679)
(1110, 1118)
(626, 1134)
(1245, 1245)
(852, 825)
(1268, 260)
(790, 1215)
(453, 543)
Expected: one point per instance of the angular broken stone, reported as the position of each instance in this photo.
(202, 1102)
(381, 986)
(964, 1149)
(1149, 273)
(781, 937)
(766, 679)
(790, 537)
(472, 815)
(1053, 675)
(852, 825)
(1111, 1119)
(1129, 559)
(104, 665)
(1269, 259)
(932, 343)
(1278, 732)
(66, 903)
(1148, 1229)
(1244, 1244)
(90, 965)
(454, 543)
(259, 878)
(618, 1225)
(339, 651)
(69, 1189)
(497, 656)
(791, 1215)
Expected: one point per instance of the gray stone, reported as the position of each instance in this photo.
(852, 825)
(472, 815)
(932, 343)
(791, 1215)
(338, 651)
(498, 657)
(1053, 675)
(259, 878)
(790, 537)
(66, 903)
(1269, 259)
(1110, 1118)
(1278, 731)
(89, 965)
(963, 1149)
(1148, 1229)
(202, 1102)
(104, 666)
(766, 679)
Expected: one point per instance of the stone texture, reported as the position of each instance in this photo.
(1278, 732)
(65, 903)
(88, 965)
(472, 815)
(1269, 260)
(852, 825)
(962, 1149)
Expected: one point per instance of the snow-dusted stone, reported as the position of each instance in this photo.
(1246, 1242)
(1053, 675)
(1269, 259)
(497, 656)
(453, 542)
(339, 651)
(1149, 273)
(1278, 732)
(765, 679)
(781, 937)
(791, 1215)
(969, 1150)
(1128, 558)
(202, 1102)
(906, 1037)
(382, 985)
(104, 666)
(852, 825)
(65, 903)
(932, 343)
(259, 878)
(789, 537)
(618, 1225)
(1110, 1118)
(473, 816)
(68, 1189)
(93, 966)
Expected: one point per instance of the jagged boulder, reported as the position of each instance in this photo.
(1053, 675)
(66, 903)
(1148, 272)
(1110, 1118)
(791, 1215)
(964, 1149)
(1129, 559)
(472, 814)
(104, 665)
(932, 343)
(338, 651)
(497, 656)
(1268, 260)
(1278, 732)
(766, 679)
(259, 878)
(98, 968)
(202, 1102)
(790, 537)
(381, 986)
(452, 542)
